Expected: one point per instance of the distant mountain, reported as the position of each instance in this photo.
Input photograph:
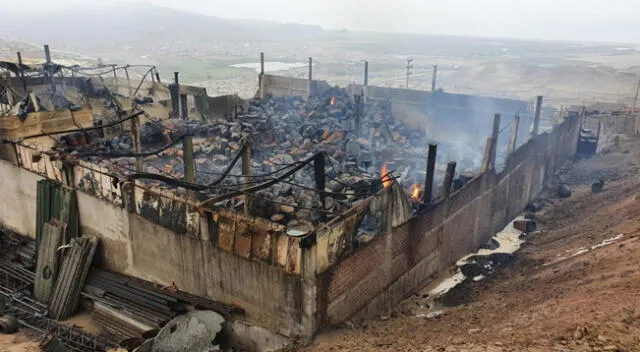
(141, 24)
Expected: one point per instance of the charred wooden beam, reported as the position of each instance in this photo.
(431, 166)
(448, 179)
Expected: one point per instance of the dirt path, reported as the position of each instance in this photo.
(566, 290)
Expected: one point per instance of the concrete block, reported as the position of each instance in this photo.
(525, 225)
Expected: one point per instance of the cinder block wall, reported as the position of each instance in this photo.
(392, 267)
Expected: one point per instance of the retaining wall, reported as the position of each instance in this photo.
(392, 267)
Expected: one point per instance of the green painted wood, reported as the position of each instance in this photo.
(47, 262)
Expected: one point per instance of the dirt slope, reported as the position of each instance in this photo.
(559, 294)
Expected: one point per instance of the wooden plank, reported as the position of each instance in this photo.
(47, 262)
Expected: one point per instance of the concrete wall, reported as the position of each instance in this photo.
(279, 86)
(611, 129)
(285, 86)
(394, 266)
(448, 114)
(212, 108)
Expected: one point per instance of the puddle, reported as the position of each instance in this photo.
(583, 250)
(482, 263)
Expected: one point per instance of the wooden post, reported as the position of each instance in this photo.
(158, 76)
(246, 172)
(115, 78)
(633, 110)
(494, 135)
(24, 81)
(47, 57)
(431, 166)
(261, 78)
(153, 77)
(448, 179)
(187, 150)
(126, 72)
(185, 106)
(514, 134)
(433, 78)
(319, 170)
(486, 159)
(310, 68)
(175, 96)
(366, 73)
(135, 133)
(536, 121)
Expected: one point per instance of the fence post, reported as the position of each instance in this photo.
(187, 150)
(320, 176)
(246, 172)
(536, 121)
(514, 135)
(431, 166)
(448, 179)
(135, 132)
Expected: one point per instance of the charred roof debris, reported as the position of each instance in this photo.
(342, 162)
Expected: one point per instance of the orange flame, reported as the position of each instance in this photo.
(384, 172)
(415, 192)
(333, 100)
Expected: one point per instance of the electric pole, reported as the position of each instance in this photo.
(633, 110)
(409, 67)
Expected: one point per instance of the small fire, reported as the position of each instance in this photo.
(384, 172)
(333, 100)
(415, 192)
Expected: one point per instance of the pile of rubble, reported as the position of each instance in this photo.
(360, 140)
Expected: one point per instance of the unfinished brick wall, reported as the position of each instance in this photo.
(394, 266)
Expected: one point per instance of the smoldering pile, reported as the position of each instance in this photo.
(360, 140)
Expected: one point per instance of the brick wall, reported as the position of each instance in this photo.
(394, 266)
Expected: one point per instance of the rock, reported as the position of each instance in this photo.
(277, 217)
(580, 333)
(611, 348)
(491, 244)
(534, 207)
(525, 225)
(597, 187)
(431, 315)
(193, 331)
(9, 325)
(287, 209)
(563, 191)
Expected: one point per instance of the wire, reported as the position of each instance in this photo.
(83, 129)
(174, 181)
(131, 155)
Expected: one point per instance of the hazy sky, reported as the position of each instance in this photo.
(600, 20)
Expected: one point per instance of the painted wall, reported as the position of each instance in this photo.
(392, 267)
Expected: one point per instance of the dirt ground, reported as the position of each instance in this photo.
(22, 341)
(565, 290)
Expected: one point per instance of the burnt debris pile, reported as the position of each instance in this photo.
(360, 144)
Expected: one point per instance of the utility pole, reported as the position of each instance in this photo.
(409, 72)
(633, 110)
(433, 78)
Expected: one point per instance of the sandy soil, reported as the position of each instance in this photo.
(22, 341)
(558, 294)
